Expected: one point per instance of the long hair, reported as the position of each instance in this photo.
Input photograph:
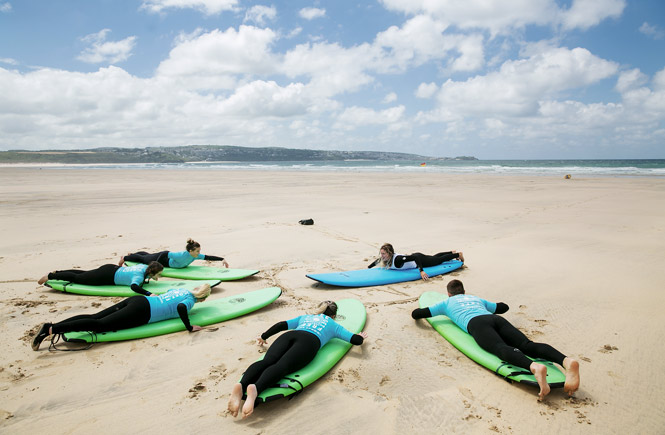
(202, 291)
(390, 250)
(329, 308)
(153, 269)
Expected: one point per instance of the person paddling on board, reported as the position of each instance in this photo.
(130, 313)
(175, 260)
(290, 352)
(497, 336)
(110, 274)
(389, 260)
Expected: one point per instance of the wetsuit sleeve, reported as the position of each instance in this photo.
(344, 334)
(184, 316)
(501, 308)
(274, 329)
(490, 306)
(138, 289)
(356, 340)
(374, 263)
(421, 313)
(212, 258)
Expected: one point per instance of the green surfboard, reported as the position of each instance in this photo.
(157, 287)
(352, 315)
(468, 346)
(204, 272)
(203, 314)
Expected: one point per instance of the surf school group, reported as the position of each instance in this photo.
(309, 345)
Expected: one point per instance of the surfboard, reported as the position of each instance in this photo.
(468, 346)
(380, 276)
(157, 287)
(352, 315)
(203, 314)
(204, 272)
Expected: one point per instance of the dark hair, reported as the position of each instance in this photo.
(153, 269)
(331, 309)
(191, 245)
(455, 287)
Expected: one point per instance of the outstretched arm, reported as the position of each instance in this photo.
(184, 316)
(138, 289)
(421, 313)
(374, 263)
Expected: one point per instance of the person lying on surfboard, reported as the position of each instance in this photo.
(130, 313)
(110, 274)
(497, 336)
(389, 260)
(290, 352)
(175, 260)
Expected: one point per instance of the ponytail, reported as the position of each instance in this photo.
(191, 245)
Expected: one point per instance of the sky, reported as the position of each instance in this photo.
(494, 79)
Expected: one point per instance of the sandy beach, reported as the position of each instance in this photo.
(579, 262)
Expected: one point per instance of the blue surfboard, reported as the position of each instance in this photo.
(381, 276)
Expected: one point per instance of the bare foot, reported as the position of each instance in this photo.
(461, 257)
(572, 375)
(540, 372)
(122, 260)
(42, 280)
(248, 407)
(234, 400)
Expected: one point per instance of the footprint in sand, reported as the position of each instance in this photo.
(608, 348)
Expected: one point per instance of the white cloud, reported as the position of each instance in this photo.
(102, 51)
(654, 32)
(5, 7)
(218, 57)
(354, 117)
(519, 85)
(389, 98)
(629, 80)
(208, 7)
(8, 61)
(427, 90)
(312, 13)
(587, 13)
(260, 14)
(501, 16)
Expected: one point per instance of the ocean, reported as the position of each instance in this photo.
(601, 168)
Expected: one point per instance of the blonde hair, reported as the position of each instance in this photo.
(202, 291)
(329, 308)
(390, 250)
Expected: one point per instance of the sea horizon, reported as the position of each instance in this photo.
(531, 167)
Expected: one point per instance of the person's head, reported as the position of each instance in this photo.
(193, 247)
(154, 269)
(201, 292)
(386, 252)
(329, 308)
(455, 287)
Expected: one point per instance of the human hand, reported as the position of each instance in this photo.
(196, 328)
(260, 341)
(225, 263)
(153, 294)
(364, 335)
(424, 275)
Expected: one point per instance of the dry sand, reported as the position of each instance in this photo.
(580, 262)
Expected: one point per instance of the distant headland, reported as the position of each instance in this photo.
(203, 153)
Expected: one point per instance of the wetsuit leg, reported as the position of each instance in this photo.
(436, 259)
(131, 312)
(146, 258)
(291, 351)
(514, 337)
(101, 276)
(485, 330)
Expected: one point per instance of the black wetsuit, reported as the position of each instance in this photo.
(129, 313)
(499, 337)
(290, 352)
(421, 260)
(161, 257)
(103, 275)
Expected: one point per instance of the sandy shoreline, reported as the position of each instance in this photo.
(579, 262)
